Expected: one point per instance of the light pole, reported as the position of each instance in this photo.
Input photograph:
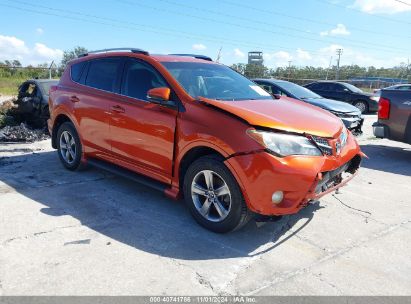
(337, 73)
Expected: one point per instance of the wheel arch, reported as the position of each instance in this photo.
(192, 155)
(60, 119)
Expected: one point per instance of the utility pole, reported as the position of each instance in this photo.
(289, 69)
(219, 55)
(329, 67)
(50, 67)
(337, 73)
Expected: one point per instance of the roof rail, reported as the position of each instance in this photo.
(133, 50)
(194, 55)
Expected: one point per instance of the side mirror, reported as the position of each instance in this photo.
(346, 90)
(277, 96)
(159, 95)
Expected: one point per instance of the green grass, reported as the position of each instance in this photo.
(8, 86)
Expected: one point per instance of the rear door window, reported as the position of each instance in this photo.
(317, 86)
(103, 74)
(335, 87)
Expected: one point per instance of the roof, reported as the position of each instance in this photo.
(178, 58)
(329, 81)
(273, 80)
(157, 57)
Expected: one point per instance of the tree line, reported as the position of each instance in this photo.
(14, 69)
(402, 71)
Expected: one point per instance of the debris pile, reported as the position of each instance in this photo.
(6, 109)
(21, 133)
(13, 128)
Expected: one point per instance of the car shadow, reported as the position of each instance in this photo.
(395, 160)
(133, 214)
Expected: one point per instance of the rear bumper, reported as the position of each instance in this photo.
(301, 178)
(380, 130)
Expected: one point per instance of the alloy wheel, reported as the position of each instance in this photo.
(211, 195)
(68, 149)
(361, 106)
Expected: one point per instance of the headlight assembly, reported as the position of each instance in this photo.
(285, 144)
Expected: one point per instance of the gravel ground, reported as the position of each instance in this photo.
(91, 233)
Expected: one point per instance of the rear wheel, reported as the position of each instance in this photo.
(361, 105)
(69, 146)
(214, 197)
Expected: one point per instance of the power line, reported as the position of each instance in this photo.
(382, 48)
(202, 10)
(360, 11)
(158, 30)
(271, 12)
(145, 28)
(403, 2)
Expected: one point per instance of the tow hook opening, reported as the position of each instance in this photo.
(259, 218)
(335, 177)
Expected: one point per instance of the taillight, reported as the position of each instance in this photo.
(384, 108)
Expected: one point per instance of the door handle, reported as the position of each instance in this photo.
(118, 109)
(74, 98)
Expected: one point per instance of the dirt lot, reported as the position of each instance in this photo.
(91, 233)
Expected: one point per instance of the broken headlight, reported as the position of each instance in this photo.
(285, 144)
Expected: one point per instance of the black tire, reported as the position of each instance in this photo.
(238, 214)
(361, 105)
(72, 163)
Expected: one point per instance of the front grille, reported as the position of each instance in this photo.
(324, 145)
(343, 115)
(335, 177)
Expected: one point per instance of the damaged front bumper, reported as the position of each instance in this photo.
(354, 124)
(300, 178)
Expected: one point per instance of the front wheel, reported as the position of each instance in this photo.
(214, 197)
(361, 105)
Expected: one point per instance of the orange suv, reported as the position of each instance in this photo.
(197, 129)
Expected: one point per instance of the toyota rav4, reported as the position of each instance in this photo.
(197, 129)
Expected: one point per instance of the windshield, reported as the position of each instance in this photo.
(46, 86)
(214, 81)
(297, 91)
(352, 88)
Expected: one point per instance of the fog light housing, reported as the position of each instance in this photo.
(277, 197)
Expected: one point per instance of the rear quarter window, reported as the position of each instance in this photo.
(102, 73)
(77, 70)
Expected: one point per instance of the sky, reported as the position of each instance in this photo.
(297, 32)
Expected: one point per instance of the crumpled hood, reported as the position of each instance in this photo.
(284, 114)
(332, 105)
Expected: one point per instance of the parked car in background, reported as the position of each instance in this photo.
(377, 93)
(345, 92)
(194, 128)
(350, 115)
(394, 115)
(32, 101)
